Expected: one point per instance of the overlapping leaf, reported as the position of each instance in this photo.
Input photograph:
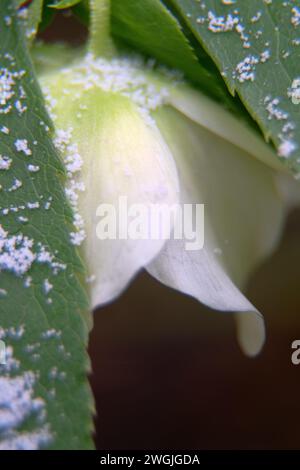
(256, 46)
(151, 28)
(61, 4)
(44, 397)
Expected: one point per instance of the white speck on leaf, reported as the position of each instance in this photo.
(22, 146)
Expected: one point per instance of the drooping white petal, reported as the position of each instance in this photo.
(123, 157)
(250, 332)
(125, 162)
(218, 120)
(243, 219)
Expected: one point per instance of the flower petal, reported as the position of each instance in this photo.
(243, 220)
(250, 332)
(217, 119)
(124, 156)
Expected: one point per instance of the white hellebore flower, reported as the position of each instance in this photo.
(125, 129)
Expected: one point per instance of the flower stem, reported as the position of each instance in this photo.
(100, 41)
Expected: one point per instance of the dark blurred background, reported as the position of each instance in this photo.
(168, 373)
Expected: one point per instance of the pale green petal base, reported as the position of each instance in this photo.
(124, 156)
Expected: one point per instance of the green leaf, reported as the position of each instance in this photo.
(61, 4)
(82, 12)
(256, 46)
(151, 28)
(47, 16)
(45, 400)
(31, 16)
